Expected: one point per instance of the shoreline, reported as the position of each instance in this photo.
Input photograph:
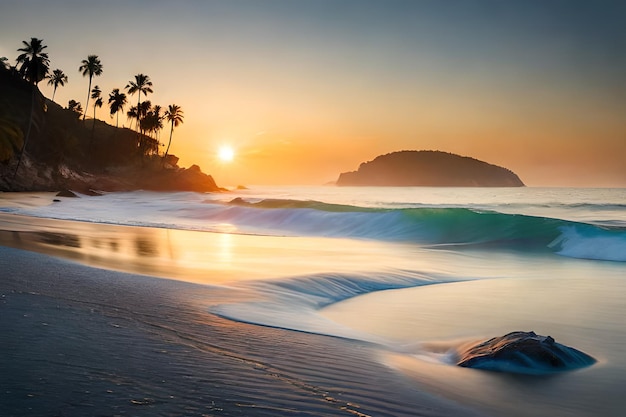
(20, 199)
(203, 257)
(83, 335)
(95, 341)
(90, 336)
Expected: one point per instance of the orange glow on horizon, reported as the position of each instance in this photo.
(303, 95)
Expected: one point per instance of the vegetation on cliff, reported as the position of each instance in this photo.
(429, 168)
(45, 147)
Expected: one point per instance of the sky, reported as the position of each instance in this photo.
(303, 90)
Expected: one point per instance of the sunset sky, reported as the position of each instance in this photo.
(306, 89)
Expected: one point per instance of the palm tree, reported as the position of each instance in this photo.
(96, 93)
(174, 115)
(151, 123)
(34, 63)
(132, 114)
(90, 66)
(144, 107)
(142, 84)
(158, 120)
(58, 78)
(96, 105)
(142, 124)
(117, 101)
(99, 102)
(34, 66)
(76, 107)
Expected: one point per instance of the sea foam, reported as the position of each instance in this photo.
(587, 242)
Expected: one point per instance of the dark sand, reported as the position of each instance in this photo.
(84, 341)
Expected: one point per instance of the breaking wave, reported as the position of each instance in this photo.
(436, 226)
(423, 225)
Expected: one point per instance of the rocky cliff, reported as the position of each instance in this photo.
(44, 147)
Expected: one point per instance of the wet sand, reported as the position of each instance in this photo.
(191, 256)
(10, 200)
(83, 340)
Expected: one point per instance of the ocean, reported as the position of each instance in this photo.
(412, 273)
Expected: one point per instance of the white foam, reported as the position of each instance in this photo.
(591, 244)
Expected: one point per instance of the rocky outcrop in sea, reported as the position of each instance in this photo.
(523, 353)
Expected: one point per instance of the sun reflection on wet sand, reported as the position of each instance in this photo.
(193, 256)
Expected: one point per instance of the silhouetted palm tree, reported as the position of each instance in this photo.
(158, 121)
(174, 115)
(34, 65)
(117, 101)
(33, 62)
(96, 93)
(142, 84)
(90, 66)
(143, 110)
(132, 114)
(75, 106)
(96, 105)
(151, 123)
(58, 78)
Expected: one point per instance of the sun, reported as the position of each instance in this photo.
(226, 153)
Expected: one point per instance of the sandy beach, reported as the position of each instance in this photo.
(81, 340)
(183, 304)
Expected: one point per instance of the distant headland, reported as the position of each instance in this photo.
(430, 169)
(46, 147)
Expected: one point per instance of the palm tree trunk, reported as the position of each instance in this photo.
(54, 92)
(93, 126)
(169, 143)
(87, 104)
(138, 113)
(139, 133)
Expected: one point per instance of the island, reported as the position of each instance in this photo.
(431, 169)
